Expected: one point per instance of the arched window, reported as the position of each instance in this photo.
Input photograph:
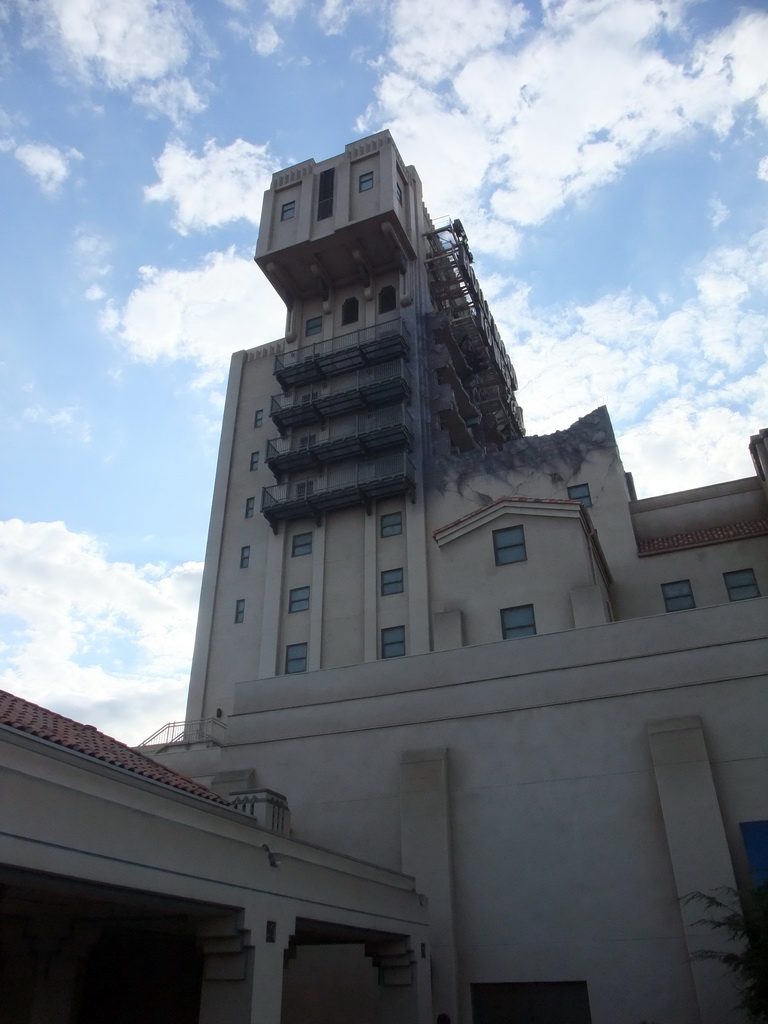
(387, 299)
(350, 311)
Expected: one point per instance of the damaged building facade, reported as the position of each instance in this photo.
(469, 654)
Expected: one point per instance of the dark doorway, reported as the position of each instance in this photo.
(550, 1002)
(144, 976)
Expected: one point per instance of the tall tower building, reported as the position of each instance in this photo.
(467, 653)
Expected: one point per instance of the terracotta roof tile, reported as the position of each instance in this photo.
(700, 538)
(21, 714)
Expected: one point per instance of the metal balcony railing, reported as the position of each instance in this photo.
(201, 730)
(346, 437)
(347, 352)
(369, 388)
(344, 486)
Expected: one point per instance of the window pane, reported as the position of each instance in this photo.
(678, 595)
(254, 460)
(301, 544)
(350, 311)
(741, 584)
(580, 492)
(392, 581)
(288, 210)
(240, 609)
(258, 417)
(245, 557)
(250, 505)
(393, 642)
(387, 299)
(325, 194)
(296, 658)
(509, 545)
(391, 524)
(314, 325)
(298, 599)
(517, 622)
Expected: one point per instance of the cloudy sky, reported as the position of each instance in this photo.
(608, 158)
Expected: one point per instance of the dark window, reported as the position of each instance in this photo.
(391, 524)
(741, 584)
(240, 609)
(392, 581)
(387, 299)
(509, 545)
(296, 658)
(399, 193)
(393, 642)
(365, 181)
(314, 325)
(517, 621)
(350, 311)
(245, 556)
(325, 194)
(250, 505)
(301, 544)
(298, 599)
(258, 418)
(580, 492)
(254, 460)
(563, 1001)
(306, 440)
(305, 488)
(678, 595)
(288, 210)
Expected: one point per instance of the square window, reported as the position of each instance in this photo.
(240, 609)
(254, 460)
(517, 622)
(509, 545)
(741, 584)
(580, 492)
(301, 544)
(298, 599)
(393, 642)
(314, 325)
(365, 181)
(678, 595)
(399, 193)
(391, 524)
(295, 658)
(288, 210)
(245, 556)
(250, 505)
(392, 581)
(258, 418)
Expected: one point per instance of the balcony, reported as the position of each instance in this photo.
(347, 438)
(343, 486)
(367, 347)
(370, 388)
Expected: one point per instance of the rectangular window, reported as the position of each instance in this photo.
(298, 599)
(314, 325)
(678, 595)
(295, 658)
(391, 524)
(399, 193)
(580, 492)
(325, 194)
(240, 609)
(258, 418)
(250, 505)
(245, 556)
(254, 460)
(365, 181)
(288, 210)
(392, 581)
(301, 544)
(305, 488)
(517, 622)
(741, 584)
(509, 545)
(393, 642)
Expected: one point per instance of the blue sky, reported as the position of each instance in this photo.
(608, 158)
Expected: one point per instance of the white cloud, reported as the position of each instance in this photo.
(67, 420)
(284, 9)
(200, 315)
(176, 98)
(105, 642)
(49, 166)
(548, 117)
(762, 169)
(91, 251)
(265, 39)
(224, 184)
(718, 212)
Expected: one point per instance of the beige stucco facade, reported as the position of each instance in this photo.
(554, 793)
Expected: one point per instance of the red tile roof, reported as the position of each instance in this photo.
(700, 538)
(21, 714)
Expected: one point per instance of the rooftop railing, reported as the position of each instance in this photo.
(201, 730)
